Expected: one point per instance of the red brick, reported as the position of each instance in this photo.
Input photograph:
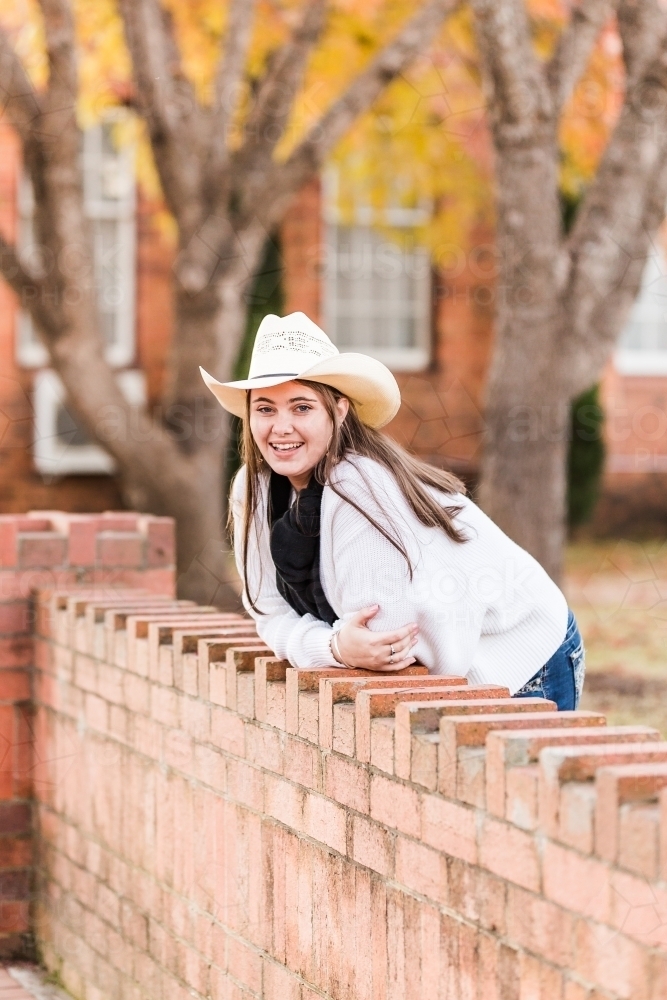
(302, 763)
(41, 549)
(347, 782)
(509, 853)
(614, 787)
(611, 961)
(540, 927)
(421, 869)
(278, 983)
(119, 520)
(371, 845)
(268, 670)
(14, 685)
(284, 801)
(160, 545)
(24, 751)
(325, 821)
(120, 548)
(15, 852)
(580, 885)
(639, 839)
(14, 884)
(82, 540)
(15, 616)
(395, 805)
(8, 542)
(14, 917)
(15, 817)
(449, 827)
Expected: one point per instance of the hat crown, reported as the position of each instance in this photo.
(288, 345)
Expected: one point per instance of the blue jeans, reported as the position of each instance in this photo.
(561, 679)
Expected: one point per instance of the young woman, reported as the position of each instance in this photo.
(355, 554)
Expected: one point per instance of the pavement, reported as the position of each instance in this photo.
(25, 982)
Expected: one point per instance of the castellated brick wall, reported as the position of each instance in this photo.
(215, 824)
(99, 553)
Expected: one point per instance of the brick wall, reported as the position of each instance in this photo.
(100, 555)
(215, 824)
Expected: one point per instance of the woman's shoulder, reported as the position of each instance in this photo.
(359, 469)
(365, 479)
(369, 475)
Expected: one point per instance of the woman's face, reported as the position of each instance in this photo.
(292, 428)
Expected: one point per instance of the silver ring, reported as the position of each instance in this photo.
(391, 658)
(392, 650)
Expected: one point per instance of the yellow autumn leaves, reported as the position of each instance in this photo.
(425, 142)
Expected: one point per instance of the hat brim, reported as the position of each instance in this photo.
(366, 381)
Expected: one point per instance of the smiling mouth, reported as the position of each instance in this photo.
(287, 448)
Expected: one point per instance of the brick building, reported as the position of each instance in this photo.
(371, 293)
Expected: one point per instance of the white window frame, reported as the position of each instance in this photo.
(633, 360)
(401, 359)
(53, 456)
(97, 173)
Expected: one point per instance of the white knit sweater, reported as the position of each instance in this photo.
(485, 608)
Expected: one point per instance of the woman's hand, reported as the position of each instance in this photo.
(359, 647)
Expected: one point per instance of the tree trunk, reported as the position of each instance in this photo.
(523, 477)
(209, 330)
(524, 483)
(192, 493)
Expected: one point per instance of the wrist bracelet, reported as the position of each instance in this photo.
(335, 650)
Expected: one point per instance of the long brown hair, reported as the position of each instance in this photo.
(351, 436)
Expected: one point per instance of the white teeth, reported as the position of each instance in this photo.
(286, 447)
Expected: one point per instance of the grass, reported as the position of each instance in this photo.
(618, 591)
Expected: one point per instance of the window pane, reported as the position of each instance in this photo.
(646, 329)
(109, 204)
(109, 274)
(377, 289)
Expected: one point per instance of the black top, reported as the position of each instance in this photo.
(295, 547)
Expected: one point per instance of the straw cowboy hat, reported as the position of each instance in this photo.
(292, 347)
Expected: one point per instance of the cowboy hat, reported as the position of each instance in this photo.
(292, 347)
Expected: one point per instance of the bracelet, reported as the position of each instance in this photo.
(335, 651)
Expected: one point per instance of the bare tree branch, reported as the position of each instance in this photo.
(18, 98)
(517, 94)
(167, 103)
(228, 77)
(621, 211)
(60, 47)
(58, 129)
(641, 24)
(28, 288)
(253, 162)
(574, 47)
(310, 154)
(266, 122)
(611, 310)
